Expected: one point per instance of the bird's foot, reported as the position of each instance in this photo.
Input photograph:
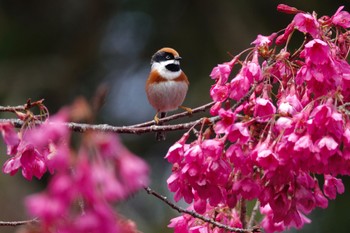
(189, 110)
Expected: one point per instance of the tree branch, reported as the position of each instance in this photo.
(175, 116)
(18, 223)
(23, 107)
(198, 216)
(82, 127)
(141, 128)
(243, 213)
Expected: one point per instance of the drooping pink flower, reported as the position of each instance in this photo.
(239, 86)
(282, 39)
(38, 148)
(10, 137)
(268, 222)
(238, 132)
(264, 109)
(332, 186)
(341, 18)
(289, 104)
(252, 70)
(307, 23)
(176, 151)
(316, 52)
(95, 183)
(132, 171)
(227, 120)
(240, 158)
(326, 146)
(222, 71)
(247, 187)
(267, 159)
(264, 40)
(29, 159)
(219, 93)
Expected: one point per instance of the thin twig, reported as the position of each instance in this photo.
(18, 223)
(253, 214)
(243, 213)
(12, 108)
(195, 214)
(23, 107)
(175, 116)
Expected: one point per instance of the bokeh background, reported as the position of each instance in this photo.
(59, 50)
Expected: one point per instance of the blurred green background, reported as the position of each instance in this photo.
(59, 50)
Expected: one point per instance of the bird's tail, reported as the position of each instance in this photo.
(161, 135)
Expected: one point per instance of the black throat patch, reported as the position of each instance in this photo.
(173, 67)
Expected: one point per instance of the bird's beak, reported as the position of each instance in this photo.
(178, 58)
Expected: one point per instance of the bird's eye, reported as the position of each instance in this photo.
(168, 57)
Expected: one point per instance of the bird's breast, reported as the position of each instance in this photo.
(164, 94)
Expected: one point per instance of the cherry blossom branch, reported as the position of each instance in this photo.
(176, 116)
(82, 127)
(18, 223)
(198, 216)
(23, 107)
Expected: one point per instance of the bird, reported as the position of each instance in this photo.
(167, 85)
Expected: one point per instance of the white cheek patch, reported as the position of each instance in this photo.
(164, 72)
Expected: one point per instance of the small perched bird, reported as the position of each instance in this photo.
(167, 84)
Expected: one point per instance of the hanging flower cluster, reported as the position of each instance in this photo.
(84, 184)
(295, 125)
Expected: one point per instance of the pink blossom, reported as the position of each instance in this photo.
(332, 186)
(327, 146)
(238, 132)
(10, 137)
(115, 175)
(341, 18)
(307, 23)
(281, 39)
(289, 104)
(247, 187)
(37, 149)
(321, 200)
(264, 40)
(268, 222)
(227, 120)
(51, 131)
(264, 109)
(283, 123)
(176, 151)
(252, 70)
(222, 71)
(239, 86)
(267, 159)
(316, 52)
(27, 158)
(305, 144)
(132, 170)
(219, 93)
(240, 159)
(213, 148)
(214, 110)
